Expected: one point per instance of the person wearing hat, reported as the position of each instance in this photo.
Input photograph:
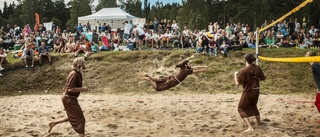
(249, 77)
(173, 80)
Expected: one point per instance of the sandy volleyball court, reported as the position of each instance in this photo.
(160, 115)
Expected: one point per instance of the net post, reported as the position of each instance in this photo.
(257, 46)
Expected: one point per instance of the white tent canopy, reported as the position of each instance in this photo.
(108, 13)
(112, 16)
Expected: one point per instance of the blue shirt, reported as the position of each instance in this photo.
(42, 49)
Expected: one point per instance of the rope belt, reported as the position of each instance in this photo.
(256, 88)
(70, 96)
(176, 78)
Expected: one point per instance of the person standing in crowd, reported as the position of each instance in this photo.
(127, 30)
(70, 98)
(249, 77)
(139, 32)
(156, 25)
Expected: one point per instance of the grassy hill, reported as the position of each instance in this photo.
(117, 72)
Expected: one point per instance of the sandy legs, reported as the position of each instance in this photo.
(197, 69)
(250, 128)
(150, 79)
(52, 124)
(64, 119)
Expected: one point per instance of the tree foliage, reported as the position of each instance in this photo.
(106, 4)
(79, 8)
(132, 6)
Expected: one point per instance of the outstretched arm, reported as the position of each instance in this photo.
(197, 69)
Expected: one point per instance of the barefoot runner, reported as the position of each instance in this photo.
(70, 101)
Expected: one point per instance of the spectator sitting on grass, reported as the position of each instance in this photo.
(269, 40)
(3, 58)
(223, 44)
(70, 45)
(59, 45)
(77, 48)
(28, 54)
(94, 47)
(149, 39)
(116, 39)
(166, 38)
(213, 46)
(43, 53)
(87, 48)
(307, 41)
(131, 42)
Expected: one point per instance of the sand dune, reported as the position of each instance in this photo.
(160, 115)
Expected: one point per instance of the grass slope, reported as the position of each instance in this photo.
(117, 72)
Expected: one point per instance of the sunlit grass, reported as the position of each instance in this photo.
(118, 72)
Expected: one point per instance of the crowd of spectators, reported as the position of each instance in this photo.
(216, 39)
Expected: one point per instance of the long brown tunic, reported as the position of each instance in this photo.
(70, 102)
(171, 81)
(249, 77)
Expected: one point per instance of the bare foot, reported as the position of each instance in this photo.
(51, 125)
(144, 75)
(248, 130)
(145, 78)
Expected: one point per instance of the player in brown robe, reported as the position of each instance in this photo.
(70, 101)
(249, 77)
(171, 81)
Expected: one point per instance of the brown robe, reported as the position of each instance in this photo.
(171, 81)
(249, 77)
(70, 102)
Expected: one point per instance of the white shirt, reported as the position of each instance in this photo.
(174, 26)
(312, 31)
(127, 28)
(132, 40)
(186, 33)
(139, 31)
(149, 36)
(167, 35)
(297, 27)
(210, 28)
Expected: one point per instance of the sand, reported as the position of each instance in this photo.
(160, 115)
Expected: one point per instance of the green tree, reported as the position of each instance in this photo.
(5, 13)
(106, 4)
(192, 16)
(146, 9)
(62, 13)
(133, 7)
(78, 8)
(15, 16)
(29, 7)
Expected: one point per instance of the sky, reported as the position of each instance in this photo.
(96, 2)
